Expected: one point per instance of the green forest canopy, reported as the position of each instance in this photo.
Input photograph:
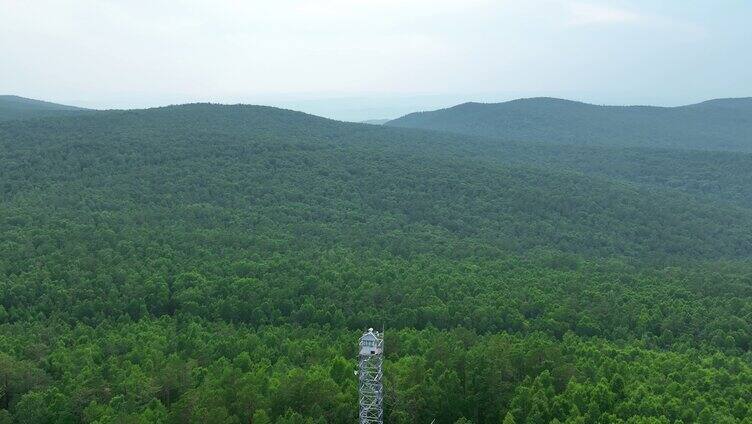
(208, 263)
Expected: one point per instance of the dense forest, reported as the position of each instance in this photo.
(722, 124)
(724, 176)
(216, 264)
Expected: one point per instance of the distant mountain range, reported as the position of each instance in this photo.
(717, 175)
(375, 121)
(15, 107)
(722, 124)
(456, 185)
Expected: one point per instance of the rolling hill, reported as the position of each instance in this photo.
(353, 182)
(15, 107)
(723, 124)
(208, 263)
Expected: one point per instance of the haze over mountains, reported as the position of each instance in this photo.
(722, 124)
(15, 107)
(213, 263)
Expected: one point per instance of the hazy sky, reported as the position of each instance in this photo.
(358, 59)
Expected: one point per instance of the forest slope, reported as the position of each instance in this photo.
(723, 124)
(708, 176)
(345, 183)
(207, 263)
(15, 107)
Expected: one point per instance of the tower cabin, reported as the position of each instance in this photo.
(371, 343)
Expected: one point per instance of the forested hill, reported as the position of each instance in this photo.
(217, 264)
(709, 176)
(286, 173)
(15, 107)
(723, 124)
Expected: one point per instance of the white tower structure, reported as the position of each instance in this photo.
(371, 393)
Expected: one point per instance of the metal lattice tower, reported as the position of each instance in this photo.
(371, 390)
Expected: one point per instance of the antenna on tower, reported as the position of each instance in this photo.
(370, 388)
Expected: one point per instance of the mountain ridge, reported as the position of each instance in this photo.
(716, 176)
(723, 101)
(412, 176)
(720, 124)
(16, 107)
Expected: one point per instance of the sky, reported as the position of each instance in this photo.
(370, 59)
